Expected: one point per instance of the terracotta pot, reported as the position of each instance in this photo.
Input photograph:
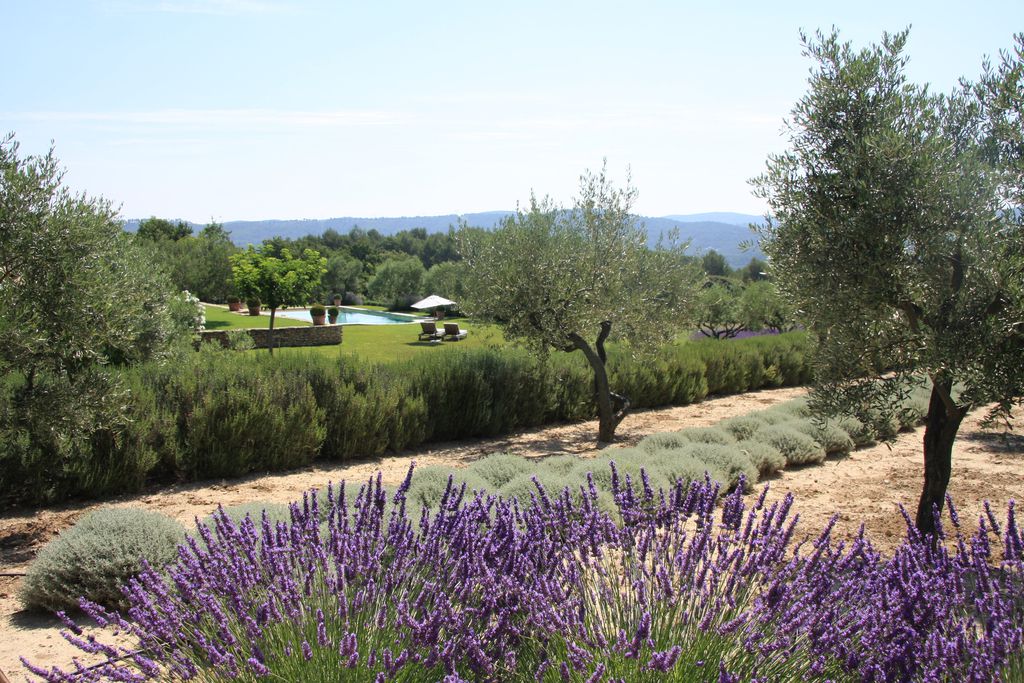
(254, 310)
(332, 319)
(235, 306)
(319, 319)
(337, 301)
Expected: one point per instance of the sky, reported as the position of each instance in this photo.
(263, 109)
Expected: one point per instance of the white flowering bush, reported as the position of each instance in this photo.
(188, 312)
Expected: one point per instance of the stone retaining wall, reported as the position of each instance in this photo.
(314, 335)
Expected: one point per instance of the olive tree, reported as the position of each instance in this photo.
(890, 233)
(277, 280)
(572, 280)
(77, 296)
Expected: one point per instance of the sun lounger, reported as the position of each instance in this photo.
(429, 331)
(452, 332)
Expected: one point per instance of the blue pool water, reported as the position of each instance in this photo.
(348, 316)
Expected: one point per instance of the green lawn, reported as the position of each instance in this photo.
(220, 318)
(385, 343)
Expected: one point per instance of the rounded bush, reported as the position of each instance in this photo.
(766, 458)
(98, 554)
(726, 459)
(675, 465)
(522, 486)
(655, 443)
(318, 310)
(560, 464)
(428, 484)
(796, 447)
(500, 468)
(831, 436)
(712, 435)
(863, 435)
(742, 427)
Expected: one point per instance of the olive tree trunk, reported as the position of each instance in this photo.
(943, 423)
(611, 407)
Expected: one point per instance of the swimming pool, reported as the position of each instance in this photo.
(352, 316)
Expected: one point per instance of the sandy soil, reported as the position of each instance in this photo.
(864, 488)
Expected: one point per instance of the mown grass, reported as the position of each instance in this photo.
(218, 318)
(393, 343)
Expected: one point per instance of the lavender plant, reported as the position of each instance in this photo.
(678, 585)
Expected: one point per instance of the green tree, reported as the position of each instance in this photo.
(715, 264)
(343, 274)
(573, 280)
(397, 282)
(754, 271)
(156, 229)
(447, 279)
(761, 306)
(77, 295)
(891, 235)
(718, 310)
(277, 280)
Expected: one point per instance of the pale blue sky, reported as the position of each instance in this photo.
(255, 109)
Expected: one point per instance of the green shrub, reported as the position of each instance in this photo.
(317, 310)
(499, 469)
(834, 439)
(742, 426)
(727, 460)
(714, 435)
(560, 464)
(522, 486)
(674, 465)
(429, 483)
(96, 555)
(795, 446)
(862, 434)
(655, 443)
(766, 458)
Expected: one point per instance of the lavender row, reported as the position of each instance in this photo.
(687, 586)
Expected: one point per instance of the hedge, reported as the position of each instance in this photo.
(218, 413)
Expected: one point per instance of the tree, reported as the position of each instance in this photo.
(343, 274)
(573, 280)
(446, 279)
(277, 280)
(762, 306)
(156, 229)
(715, 264)
(77, 295)
(755, 271)
(892, 237)
(718, 309)
(397, 282)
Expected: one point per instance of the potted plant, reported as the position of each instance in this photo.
(318, 313)
(332, 315)
(336, 299)
(254, 305)
(234, 304)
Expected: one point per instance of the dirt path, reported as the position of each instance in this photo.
(863, 487)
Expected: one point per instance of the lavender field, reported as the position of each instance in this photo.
(678, 585)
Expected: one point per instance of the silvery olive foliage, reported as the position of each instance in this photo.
(895, 232)
(571, 279)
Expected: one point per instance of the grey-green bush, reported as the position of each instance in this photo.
(522, 486)
(98, 554)
(831, 436)
(795, 446)
(428, 484)
(742, 426)
(766, 458)
(674, 465)
(727, 459)
(500, 468)
(714, 435)
(863, 435)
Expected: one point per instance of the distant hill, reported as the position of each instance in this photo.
(743, 219)
(723, 232)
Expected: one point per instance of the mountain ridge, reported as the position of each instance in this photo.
(724, 235)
